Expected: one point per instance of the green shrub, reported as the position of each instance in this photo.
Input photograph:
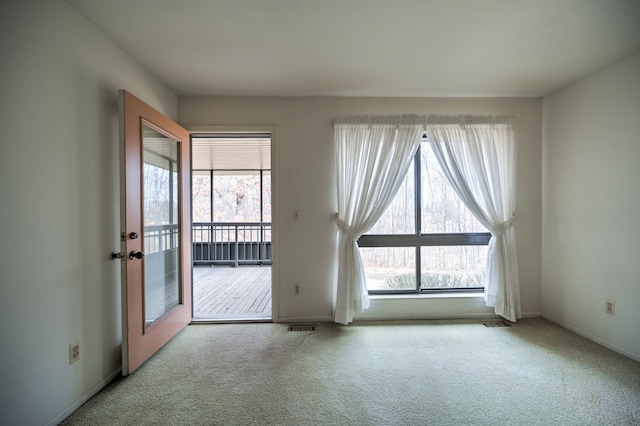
(436, 280)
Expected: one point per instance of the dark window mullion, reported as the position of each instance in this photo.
(417, 176)
(417, 187)
(425, 240)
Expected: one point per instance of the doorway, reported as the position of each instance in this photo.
(231, 226)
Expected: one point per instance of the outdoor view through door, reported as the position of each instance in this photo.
(231, 231)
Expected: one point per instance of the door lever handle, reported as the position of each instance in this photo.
(136, 255)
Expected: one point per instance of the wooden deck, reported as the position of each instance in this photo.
(227, 293)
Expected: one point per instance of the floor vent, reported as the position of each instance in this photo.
(302, 327)
(495, 324)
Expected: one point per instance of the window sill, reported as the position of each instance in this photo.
(474, 295)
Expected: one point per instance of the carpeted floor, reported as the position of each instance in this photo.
(374, 373)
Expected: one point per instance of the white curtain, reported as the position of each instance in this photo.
(372, 157)
(479, 160)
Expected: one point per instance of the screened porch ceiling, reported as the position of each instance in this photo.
(231, 152)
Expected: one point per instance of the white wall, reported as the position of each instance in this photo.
(305, 180)
(591, 205)
(59, 206)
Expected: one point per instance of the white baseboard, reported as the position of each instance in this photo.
(596, 339)
(365, 317)
(84, 398)
(287, 320)
(426, 317)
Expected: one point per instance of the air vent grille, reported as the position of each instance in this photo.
(302, 327)
(495, 324)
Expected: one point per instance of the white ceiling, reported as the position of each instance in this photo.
(369, 47)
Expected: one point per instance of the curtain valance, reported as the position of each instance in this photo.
(426, 120)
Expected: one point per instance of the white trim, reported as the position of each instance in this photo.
(426, 306)
(430, 306)
(428, 317)
(287, 320)
(71, 408)
(405, 317)
(195, 129)
(593, 338)
(234, 320)
(443, 295)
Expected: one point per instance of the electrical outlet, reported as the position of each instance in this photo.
(296, 289)
(610, 306)
(74, 352)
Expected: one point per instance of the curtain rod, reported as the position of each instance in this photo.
(430, 119)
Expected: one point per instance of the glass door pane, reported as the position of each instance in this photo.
(161, 232)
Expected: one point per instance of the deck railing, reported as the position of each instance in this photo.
(214, 243)
(232, 243)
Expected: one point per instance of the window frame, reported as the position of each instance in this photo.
(419, 239)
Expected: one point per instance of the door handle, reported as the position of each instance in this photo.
(136, 255)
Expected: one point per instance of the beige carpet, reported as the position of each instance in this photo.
(383, 373)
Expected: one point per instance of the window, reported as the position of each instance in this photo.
(427, 240)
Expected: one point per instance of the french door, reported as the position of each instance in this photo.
(155, 218)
